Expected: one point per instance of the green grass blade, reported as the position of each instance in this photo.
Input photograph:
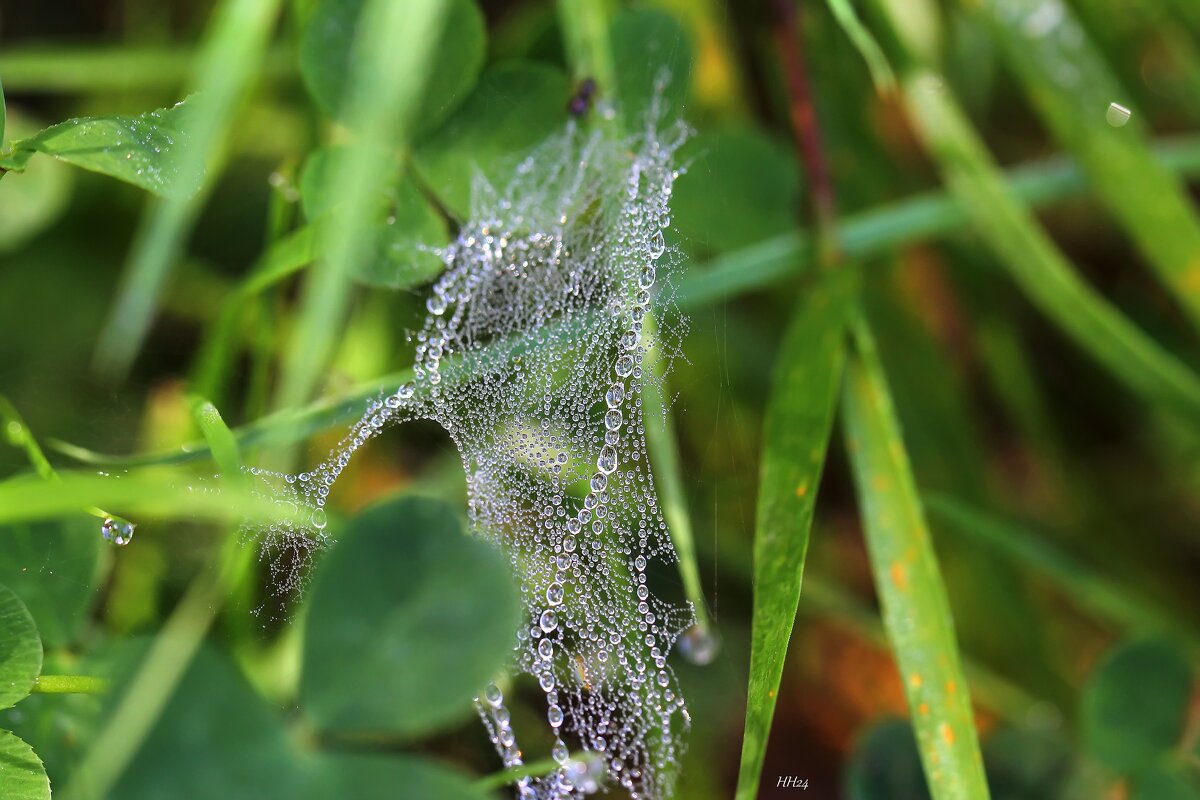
(796, 433)
(1071, 86)
(394, 45)
(880, 230)
(19, 436)
(220, 439)
(228, 63)
(1083, 584)
(152, 494)
(663, 452)
(916, 611)
(881, 71)
(110, 68)
(1035, 263)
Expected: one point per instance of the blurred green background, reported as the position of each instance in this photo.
(1058, 464)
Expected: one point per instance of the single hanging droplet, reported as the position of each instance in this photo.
(612, 420)
(117, 530)
(549, 621)
(1117, 115)
(698, 645)
(624, 366)
(554, 594)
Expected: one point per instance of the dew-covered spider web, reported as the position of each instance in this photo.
(552, 317)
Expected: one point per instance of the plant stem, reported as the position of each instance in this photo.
(506, 776)
(69, 684)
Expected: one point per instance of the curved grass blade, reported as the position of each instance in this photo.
(796, 432)
(664, 457)
(1035, 263)
(1071, 86)
(916, 611)
(229, 61)
(220, 439)
(881, 71)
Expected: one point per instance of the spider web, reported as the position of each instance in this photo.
(553, 316)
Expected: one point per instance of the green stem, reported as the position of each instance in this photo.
(69, 684)
(585, 31)
(507, 776)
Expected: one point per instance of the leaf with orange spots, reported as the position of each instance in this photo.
(916, 611)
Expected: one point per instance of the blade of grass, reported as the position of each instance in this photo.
(49, 68)
(664, 456)
(796, 430)
(1033, 260)
(393, 46)
(1071, 86)
(146, 493)
(1104, 597)
(284, 258)
(220, 439)
(227, 64)
(916, 611)
(864, 42)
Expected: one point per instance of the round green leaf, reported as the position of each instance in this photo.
(365, 777)
(407, 226)
(1135, 703)
(514, 107)
(885, 764)
(20, 649)
(22, 776)
(216, 738)
(651, 54)
(408, 618)
(740, 188)
(52, 566)
(325, 48)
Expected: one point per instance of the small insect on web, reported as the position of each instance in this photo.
(534, 356)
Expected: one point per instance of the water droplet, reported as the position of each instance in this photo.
(612, 420)
(436, 304)
(554, 716)
(559, 752)
(546, 648)
(606, 462)
(624, 366)
(548, 621)
(1117, 115)
(116, 530)
(493, 695)
(599, 482)
(698, 645)
(615, 395)
(554, 594)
